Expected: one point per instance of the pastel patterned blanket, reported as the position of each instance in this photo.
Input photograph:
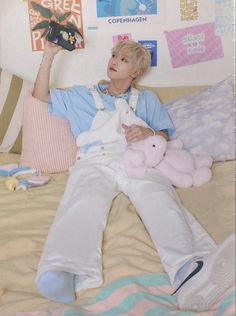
(142, 295)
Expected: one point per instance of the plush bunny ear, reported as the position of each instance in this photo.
(134, 163)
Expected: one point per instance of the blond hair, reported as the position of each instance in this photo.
(140, 56)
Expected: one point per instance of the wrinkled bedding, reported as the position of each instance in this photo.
(25, 218)
(147, 294)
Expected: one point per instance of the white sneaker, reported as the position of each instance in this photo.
(211, 278)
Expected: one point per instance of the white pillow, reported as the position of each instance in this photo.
(204, 121)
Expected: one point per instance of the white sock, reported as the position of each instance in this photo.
(57, 286)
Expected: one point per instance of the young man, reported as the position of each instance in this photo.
(72, 259)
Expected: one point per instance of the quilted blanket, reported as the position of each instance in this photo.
(142, 295)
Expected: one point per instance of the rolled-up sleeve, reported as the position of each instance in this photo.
(60, 100)
(74, 104)
(153, 112)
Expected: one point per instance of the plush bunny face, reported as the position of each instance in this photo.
(154, 148)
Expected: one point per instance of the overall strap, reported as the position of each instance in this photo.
(97, 98)
(133, 100)
(99, 103)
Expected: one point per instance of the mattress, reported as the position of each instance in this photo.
(25, 218)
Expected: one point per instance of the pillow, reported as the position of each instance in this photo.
(204, 121)
(12, 93)
(48, 144)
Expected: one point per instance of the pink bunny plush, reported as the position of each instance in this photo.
(179, 165)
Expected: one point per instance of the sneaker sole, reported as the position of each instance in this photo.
(220, 279)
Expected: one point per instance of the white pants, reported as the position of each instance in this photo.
(75, 238)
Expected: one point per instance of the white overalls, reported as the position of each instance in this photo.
(75, 238)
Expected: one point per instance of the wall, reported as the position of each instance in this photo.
(88, 65)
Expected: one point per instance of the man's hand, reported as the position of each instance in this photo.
(51, 50)
(136, 133)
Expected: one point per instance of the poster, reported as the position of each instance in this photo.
(151, 45)
(41, 12)
(188, 10)
(114, 13)
(106, 8)
(194, 44)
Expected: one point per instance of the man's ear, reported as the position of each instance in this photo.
(136, 73)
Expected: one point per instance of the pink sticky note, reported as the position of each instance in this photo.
(194, 45)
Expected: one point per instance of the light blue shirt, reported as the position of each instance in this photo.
(77, 105)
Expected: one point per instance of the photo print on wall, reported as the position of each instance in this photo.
(151, 45)
(121, 37)
(224, 17)
(188, 10)
(107, 8)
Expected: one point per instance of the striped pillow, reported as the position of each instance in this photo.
(12, 94)
(48, 144)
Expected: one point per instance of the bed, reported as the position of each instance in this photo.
(134, 280)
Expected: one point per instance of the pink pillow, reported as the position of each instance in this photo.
(47, 143)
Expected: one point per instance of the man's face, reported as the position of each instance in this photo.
(120, 66)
